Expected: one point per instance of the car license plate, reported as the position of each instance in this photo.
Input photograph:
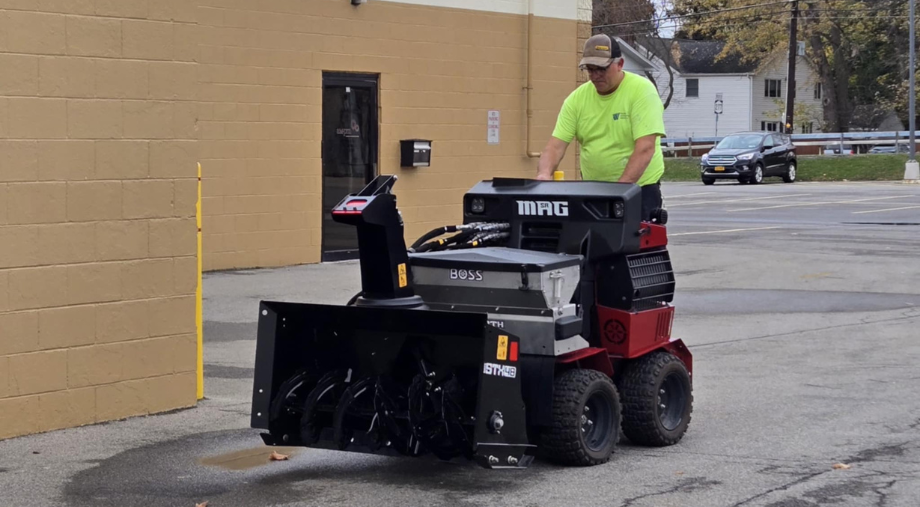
(720, 168)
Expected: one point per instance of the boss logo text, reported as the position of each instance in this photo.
(474, 275)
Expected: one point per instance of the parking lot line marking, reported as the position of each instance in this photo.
(887, 209)
(724, 230)
(746, 199)
(817, 203)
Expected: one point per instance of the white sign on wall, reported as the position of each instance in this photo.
(494, 126)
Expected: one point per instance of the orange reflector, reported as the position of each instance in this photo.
(512, 356)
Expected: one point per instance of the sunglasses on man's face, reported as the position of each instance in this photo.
(593, 69)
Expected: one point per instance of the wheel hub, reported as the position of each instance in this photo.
(672, 397)
(595, 421)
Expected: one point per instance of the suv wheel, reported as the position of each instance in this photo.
(789, 177)
(757, 177)
(708, 181)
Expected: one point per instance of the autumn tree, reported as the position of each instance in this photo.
(638, 24)
(857, 47)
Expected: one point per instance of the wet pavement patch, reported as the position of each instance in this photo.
(171, 473)
(247, 458)
(231, 468)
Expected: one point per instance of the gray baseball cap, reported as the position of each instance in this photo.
(600, 50)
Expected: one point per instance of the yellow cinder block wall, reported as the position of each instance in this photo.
(98, 152)
(106, 106)
(440, 71)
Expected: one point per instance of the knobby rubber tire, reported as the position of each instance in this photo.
(640, 388)
(564, 442)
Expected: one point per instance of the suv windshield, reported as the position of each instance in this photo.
(740, 142)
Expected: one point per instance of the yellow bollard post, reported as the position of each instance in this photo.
(198, 309)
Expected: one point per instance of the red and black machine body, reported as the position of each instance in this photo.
(540, 324)
(627, 280)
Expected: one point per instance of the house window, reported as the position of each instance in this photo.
(808, 128)
(818, 91)
(773, 88)
(770, 126)
(693, 88)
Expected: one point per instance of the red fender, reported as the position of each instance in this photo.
(591, 358)
(680, 350)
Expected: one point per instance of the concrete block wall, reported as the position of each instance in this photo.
(107, 105)
(97, 210)
(440, 71)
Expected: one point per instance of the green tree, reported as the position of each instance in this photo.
(857, 47)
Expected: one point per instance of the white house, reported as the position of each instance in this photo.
(752, 94)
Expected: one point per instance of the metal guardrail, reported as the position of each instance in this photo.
(687, 144)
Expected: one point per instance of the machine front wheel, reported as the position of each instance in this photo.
(657, 400)
(586, 419)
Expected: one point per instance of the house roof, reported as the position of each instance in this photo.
(626, 49)
(700, 57)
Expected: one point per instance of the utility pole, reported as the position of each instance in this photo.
(790, 79)
(912, 168)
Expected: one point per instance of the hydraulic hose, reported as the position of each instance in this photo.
(468, 233)
(434, 233)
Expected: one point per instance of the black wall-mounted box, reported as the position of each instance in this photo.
(415, 153)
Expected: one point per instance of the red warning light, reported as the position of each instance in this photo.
(352, 207)
(512, 355)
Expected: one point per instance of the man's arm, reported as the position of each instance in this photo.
(638, 162)
(550, 158)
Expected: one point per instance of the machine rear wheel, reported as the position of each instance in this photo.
(586, 419)
(657, 400)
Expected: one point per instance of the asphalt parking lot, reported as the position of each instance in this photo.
(800, 303)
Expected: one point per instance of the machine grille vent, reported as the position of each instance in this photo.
(653, 279)
(541, 236)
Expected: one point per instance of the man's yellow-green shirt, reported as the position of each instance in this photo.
(607, 127)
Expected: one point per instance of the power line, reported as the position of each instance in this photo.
(776, 17)
(684, 16)
(896, 16)
(749, 22)
(772, 16)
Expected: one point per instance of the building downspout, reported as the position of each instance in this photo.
(529, 88)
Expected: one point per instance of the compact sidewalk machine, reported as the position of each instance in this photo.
(541, 326)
